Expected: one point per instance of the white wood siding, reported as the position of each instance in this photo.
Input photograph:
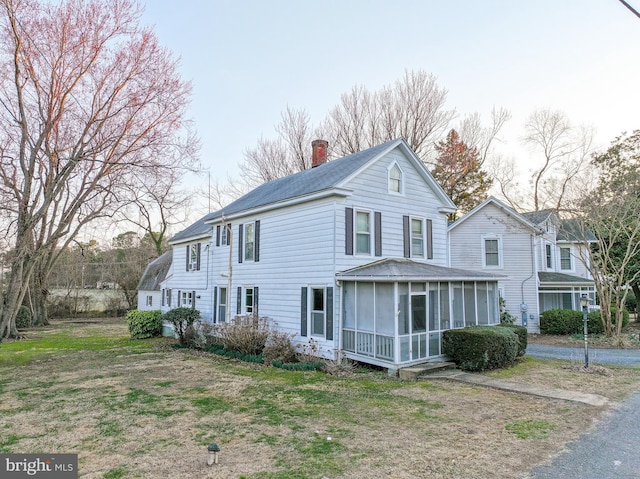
(370, 191)
(519, 249)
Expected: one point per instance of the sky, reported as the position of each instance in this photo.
(249, 59)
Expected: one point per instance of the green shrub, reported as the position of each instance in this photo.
(144, 324)
(24, 317)
(217, 348)
(567, 321)
(182, 320)
(631, 303)
(478, 348)
(594, 321)
(523, 336)
(245, 334)
(310, 366)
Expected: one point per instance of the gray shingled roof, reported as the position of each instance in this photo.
(550, 277)
(572, 231)
(196, 229)
(393, 269)
(537, 217)
(155, 273)
(322, 177)
(303, 183)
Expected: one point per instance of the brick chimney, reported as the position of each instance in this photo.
(319, 152)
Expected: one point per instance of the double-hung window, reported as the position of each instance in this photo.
(186, 300)
(193, 257)
(549, 256)
(318, 312)
(222, 304)
(565, 258)
(492, 252)
(249, 242)
(417, 238)
(249, 300)
(363, 232)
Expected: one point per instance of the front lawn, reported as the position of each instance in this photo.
(143, 409)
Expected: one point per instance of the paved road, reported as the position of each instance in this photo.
(622, 357)
(608, 451)
(611, 449)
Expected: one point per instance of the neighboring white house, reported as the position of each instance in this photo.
(538, 254)
(149, 290)
(351, 253)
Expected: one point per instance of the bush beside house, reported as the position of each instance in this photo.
(567, 321)
(479, 348)
(144, 324)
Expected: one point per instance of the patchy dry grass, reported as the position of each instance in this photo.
(141, 409)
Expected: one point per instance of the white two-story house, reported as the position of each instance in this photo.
(538, 254)
(352, 253)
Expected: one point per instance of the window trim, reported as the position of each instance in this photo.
(310, 299)
(369, 232)
(569, 258)
(498, 240)
(423, 231)
(548, 254)
(390, 179)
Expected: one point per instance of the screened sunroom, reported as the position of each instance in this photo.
(394, 311)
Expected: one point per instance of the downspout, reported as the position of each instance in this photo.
(523, 305)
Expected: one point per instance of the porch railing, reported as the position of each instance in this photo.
(368, 344)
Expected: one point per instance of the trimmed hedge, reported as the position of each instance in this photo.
(144, 324)
(478, 348)
(523, 336)
(568, 321)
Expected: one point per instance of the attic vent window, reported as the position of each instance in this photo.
(395, 179)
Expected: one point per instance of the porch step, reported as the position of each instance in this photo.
(413, 372)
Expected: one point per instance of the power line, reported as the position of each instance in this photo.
(633, 10)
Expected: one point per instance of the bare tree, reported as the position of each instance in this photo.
(412, 108)
(88, 100)
(288, 154)
(564, 151)
(476, 135)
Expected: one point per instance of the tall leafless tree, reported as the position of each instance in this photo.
(88, 100)
(564, 151)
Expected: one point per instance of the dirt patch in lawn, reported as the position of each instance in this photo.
(149, 412)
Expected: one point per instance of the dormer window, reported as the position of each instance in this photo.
(395, 179)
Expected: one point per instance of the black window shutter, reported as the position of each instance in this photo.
(162, 297)
(193, 300)
(179, 300)
(329, 310)
(406, 235)
(169, 297)
(348, 231)
(429, 239)
(378, 233)
(303, 312)
(240, 252)
(239, 301)
(256, 244)
(218, 235)
(228, 233)
(255, 300)
(188, 254)
(215, 304)
(198, 257)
